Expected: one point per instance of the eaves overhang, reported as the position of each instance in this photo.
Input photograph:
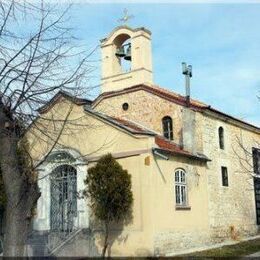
(180, 100)
(198, 156)
(55, 99)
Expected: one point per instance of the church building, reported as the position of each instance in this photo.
(193, 168)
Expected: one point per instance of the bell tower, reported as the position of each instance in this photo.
(126, 58)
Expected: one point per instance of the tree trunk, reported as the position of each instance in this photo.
(16, 232)
(21, 194)
(105, 240)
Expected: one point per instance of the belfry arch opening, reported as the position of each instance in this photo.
(123, 52)
(132, 65)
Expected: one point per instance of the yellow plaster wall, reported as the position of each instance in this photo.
(82, 132)
(136, 238)
(88, 135)
(158, 228)
(223, 207)
(178, 229)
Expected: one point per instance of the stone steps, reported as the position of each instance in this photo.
(79, 243)
(37, 244)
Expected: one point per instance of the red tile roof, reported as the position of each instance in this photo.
(172, 148)
(168, 145)
(134, 128)
(166, 94)
(172, 97)
(129, 124)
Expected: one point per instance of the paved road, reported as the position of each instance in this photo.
(257, 254)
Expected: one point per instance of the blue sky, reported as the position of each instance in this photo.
(220, 41)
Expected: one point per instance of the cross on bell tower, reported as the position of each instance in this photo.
(126, 17)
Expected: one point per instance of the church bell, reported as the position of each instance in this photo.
(128, 53)
(120, 52)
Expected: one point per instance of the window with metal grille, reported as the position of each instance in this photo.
(167, 127)
(224, 173)
(256, 160)
(221, 137)
(180, 187)
(256, 167)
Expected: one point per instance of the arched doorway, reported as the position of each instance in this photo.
(61, 205)
(63, 212)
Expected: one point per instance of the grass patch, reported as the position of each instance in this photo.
(240, 249)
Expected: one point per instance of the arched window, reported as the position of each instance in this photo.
(221, 137)
(167, 127)
(180, 187)
(60, 156)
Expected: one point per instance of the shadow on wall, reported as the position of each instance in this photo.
(115, 234)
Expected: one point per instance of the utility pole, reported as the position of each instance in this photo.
(187, 71)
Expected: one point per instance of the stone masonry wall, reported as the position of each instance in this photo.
(148, 110)
(231, 209)
(167, 243)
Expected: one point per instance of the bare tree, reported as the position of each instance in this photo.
(37, 59)
(247, 156)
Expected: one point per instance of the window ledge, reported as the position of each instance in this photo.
(182, 207)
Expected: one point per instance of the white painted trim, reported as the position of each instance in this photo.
(42, 220)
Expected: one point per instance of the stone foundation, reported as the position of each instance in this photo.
(174, 242)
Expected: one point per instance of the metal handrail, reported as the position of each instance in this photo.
(59, 236)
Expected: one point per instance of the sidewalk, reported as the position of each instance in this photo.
(219, 246)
